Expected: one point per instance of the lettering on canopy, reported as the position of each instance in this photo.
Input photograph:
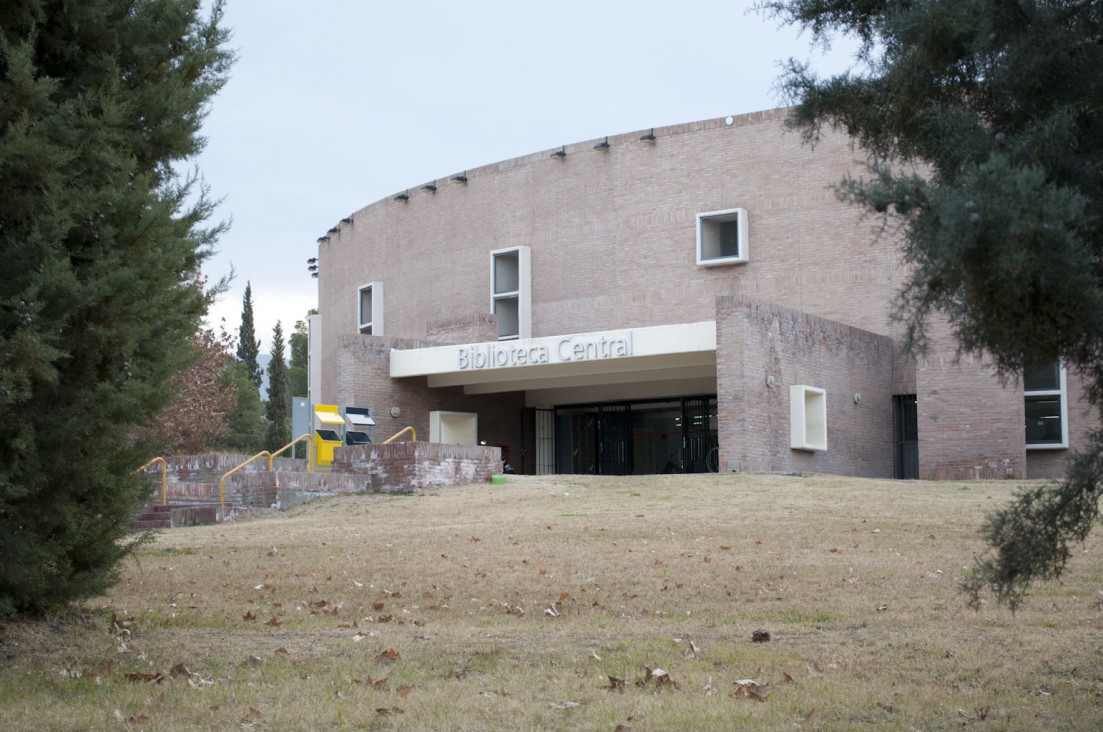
(589, 347)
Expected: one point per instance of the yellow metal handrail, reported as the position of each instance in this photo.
(222, 483)
(164, 477)
(288, 446)
(401, 432)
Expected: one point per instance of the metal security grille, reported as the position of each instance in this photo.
(545, 441)
(696, 439)
(905, 436)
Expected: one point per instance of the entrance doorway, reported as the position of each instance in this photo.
(905, 436)
(637, 438)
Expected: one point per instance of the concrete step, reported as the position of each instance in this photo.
(158, 516)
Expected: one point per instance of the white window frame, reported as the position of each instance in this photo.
(1062, 391)
(708, 237)
(374, 324)
(807, 418)
(518, 290)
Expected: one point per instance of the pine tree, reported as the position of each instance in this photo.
(101, 103)
(998, 106)
(248, 345)
(278, 409)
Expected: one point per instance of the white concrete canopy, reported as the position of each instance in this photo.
(651, 354)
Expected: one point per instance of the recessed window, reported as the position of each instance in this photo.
(807, 418)
(1045, 404)
(510, 296)
(722, 237)
(370, 309)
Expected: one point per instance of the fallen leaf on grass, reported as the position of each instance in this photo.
(377, 606)
(376, 684)
(274, 622)
(388, 656)
(253, 715)
(748, 689)
(387, 711)
(150, 678)
(248, 616)
(101, 670)
(661, 679)
(404, 691)
(179, 670)
(616, 683)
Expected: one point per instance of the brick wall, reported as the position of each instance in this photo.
(612, 235)
(757, 341)
(363, 380)
(416, 466)
(970, 426)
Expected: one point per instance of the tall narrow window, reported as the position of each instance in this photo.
(1045, 396)
(510, 292)
(370, 309)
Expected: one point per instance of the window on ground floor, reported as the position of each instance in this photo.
(1045, 397)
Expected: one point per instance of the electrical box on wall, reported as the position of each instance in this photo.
(807, 417)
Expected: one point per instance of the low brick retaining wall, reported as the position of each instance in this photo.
(415, 466)
(400, 467)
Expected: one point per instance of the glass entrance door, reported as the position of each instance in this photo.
(637, 438)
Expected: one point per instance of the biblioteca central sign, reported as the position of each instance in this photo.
(587, 347)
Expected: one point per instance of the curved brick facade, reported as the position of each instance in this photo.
(612, 236)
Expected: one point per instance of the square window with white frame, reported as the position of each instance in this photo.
(722, 237)
(1045, 404)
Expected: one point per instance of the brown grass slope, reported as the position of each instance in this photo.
(572, 602)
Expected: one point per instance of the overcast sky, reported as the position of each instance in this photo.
(335, 104)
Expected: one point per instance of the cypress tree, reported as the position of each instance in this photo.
(102, 102)
(278, 408)
(297, 372)
(248, 345)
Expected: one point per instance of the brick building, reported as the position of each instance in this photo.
(687, 298)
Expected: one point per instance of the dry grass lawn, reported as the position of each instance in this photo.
(574, 603)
